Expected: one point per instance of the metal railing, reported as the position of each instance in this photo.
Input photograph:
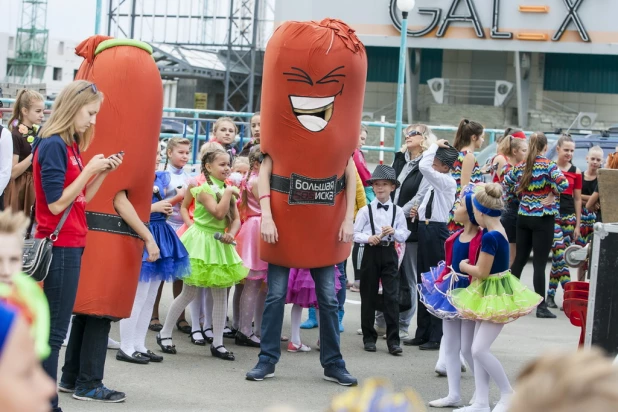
(193, 120)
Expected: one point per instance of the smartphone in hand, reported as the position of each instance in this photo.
(120, 153)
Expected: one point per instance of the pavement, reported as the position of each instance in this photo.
(193, 380)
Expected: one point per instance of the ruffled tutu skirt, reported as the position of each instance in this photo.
(301, 288)
(247, 246)
(174, 259)
(434, 294)
(214, 264)
(500, 298)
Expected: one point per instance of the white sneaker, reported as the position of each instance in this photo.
(359, 331)
(445, 403)
(403, 334)
(112, 344)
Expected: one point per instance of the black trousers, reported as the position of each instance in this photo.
(380, 263)
(84, 362)
(431, 240)
(534, 234)
(1, 201)
(355, 262)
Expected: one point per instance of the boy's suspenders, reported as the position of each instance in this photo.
(361, 246)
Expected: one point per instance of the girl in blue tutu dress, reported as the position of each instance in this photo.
(172, 264)
(433, 293)
(301, 293)
(214, 261)
(494, 297)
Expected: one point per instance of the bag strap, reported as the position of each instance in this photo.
(54, 236)
(373, 230)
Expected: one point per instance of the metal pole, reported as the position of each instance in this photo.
(228, 66)
(383, 120)
(402, 78)
(256, 11)
(132, 29)
(110, 15)
(97, 22)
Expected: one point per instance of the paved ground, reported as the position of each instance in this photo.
(195, 381)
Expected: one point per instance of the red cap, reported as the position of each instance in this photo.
(519, 135)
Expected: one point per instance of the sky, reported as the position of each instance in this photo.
(62, 24)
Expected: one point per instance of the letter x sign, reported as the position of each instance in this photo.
(572, 16)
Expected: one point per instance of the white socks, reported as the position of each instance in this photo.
(133, 330)
(219, 297)
(178, 305)
(248, 301)
(297, 313)
(486, 365)
(195, 307)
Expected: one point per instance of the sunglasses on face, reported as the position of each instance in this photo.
(413, 133)
(91, 86)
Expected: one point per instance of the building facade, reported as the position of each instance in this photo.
(539, 64)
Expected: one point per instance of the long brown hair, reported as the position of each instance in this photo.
(538, 143)
(466, 130)
(69, 102)
(24, 100)
(209, 158)
(255, 156)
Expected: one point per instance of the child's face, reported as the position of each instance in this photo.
(594, 159)
(565, 152)
(362, 139)
(479, 217)
(440, 167)
(478, 141)
(179, 155)
(220, 167)
(461, 213)
(242, 168)
(521, 153)
(34, 115)
(383, 188)
(157, 161)
(226, 133)
(255, 126)
(10, 256)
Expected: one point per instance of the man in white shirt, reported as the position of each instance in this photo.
(437, 192)
(6, 161)
(377, 227)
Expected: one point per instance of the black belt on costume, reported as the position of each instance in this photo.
(103, 222)
(307, 190)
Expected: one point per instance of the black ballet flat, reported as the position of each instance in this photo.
(227, 355)
(207, 338)
(171, 349)
(200, 340)
(135, 357)
(231, 334)
(244, 340)
(152, 356)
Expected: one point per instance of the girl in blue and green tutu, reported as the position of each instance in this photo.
(433, 292)
(214, 261)
(495, 297)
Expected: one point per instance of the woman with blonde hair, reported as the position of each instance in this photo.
(63, 186)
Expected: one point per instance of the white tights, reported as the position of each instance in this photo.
(248, 301)
(296, 315)
(133, 330)
(458, 337)
(486, 365)
(201, 310)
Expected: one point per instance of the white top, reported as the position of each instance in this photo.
(178, 178)
(381, 217)
(6, 158)
(443, 184)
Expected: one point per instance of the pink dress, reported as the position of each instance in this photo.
(248, 239)
(196, 182)
(301, 288)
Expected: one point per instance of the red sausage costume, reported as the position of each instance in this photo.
(312, 99)
(129, 120)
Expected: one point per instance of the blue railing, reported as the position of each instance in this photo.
(199, 124)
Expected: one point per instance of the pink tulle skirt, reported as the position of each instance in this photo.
(301, 288)
(247, 245)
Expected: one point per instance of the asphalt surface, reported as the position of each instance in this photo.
(193, 380)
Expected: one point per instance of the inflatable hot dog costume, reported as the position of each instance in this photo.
(312, 99)
(129, 121)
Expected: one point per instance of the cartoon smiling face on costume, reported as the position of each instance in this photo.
(312, 90)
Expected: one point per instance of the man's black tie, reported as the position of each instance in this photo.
(381, 206)
(428, 209)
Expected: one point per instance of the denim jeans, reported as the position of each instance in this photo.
(88, 338)
(272, 320)
(60, 288)
(343, 279)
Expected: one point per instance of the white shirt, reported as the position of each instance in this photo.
(442, 184)
(381, 217)
(6, 158)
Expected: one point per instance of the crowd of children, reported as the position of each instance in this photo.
(465, 238)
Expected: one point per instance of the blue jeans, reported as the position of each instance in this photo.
(343, 279)
(60, 288)
(84, 361)
(272, 320)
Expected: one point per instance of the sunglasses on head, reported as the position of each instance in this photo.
(91, 86)
(413, 133)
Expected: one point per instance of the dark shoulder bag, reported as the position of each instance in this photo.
(37, 256)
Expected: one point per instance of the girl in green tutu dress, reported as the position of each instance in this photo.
(494, 297)
(214, 261)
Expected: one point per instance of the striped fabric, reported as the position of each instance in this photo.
(563, 238)
(476, 177)
(546, 178)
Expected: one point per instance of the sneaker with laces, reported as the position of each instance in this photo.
(66, 387)
(298, 348)
(340, 375)
(261, 371)
(100, 394)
